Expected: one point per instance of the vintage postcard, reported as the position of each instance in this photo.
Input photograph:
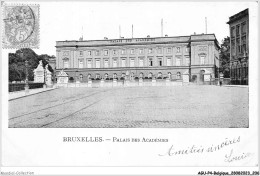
(129, 87)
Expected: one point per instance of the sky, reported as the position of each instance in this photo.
(61, 21)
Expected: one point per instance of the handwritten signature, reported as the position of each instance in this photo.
(231, 157)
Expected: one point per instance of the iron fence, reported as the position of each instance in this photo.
(13, 87)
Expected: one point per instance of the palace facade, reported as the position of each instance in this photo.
(239, 49)
(134, 58)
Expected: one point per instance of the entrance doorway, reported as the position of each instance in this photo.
(202, 75)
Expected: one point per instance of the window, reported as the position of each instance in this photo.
(187, 49)
(97, 63)
(81, 53)
(168, 61)
(132, 51)
(114, 75)
(150, 75)
(106, 63)
(169, 50)
(132, 76)
(141, 75)
(160, 62)
(106, 76)
(151, 62)
(89, 63)
(159, 50)
(141, 51)
(81, 77)
(244, 27)
(141, 62)
(178, 75)
(178, 49)
(66, 63)
(80, 63)
(66, 53)
(123, 64)
(169, 75)
(89, 53)
(97, 53)
(187, 60)
(238, 30)
(243, 39)
(244, 48)
(106, 52)
(233, 51)
(238, 46)
(97, 76)
(132, 62)
(232, 32)
(159, 75)
(178, 61)
(123, 51)
(114, 63)
(202, 59)
(150, 50)
(114, 52)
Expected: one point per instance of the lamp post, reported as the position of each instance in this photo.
(26, 86)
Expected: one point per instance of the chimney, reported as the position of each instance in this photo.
(166, 35)
(148, 36)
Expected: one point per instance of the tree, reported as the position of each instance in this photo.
(225, 57)
(17, 64)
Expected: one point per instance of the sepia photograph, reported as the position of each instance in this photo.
(195, 78)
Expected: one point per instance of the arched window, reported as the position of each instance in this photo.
(132, 75)
(150, 75)
(89, 76)
(178, 75)
(106, 76)
(141, 75)
(97, 76)
(81, 77)
(160, 75)
(169, 75)
(114, 75)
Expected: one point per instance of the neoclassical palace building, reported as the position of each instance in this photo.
(152, 57)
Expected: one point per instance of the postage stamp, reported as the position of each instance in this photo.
(21, 26)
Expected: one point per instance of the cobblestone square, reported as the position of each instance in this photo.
(133, 107)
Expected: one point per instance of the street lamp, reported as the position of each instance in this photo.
(26, 87)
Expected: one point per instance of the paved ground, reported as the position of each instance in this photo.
(22, 93)
(133, 107)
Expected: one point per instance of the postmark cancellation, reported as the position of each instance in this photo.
(21, 26)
